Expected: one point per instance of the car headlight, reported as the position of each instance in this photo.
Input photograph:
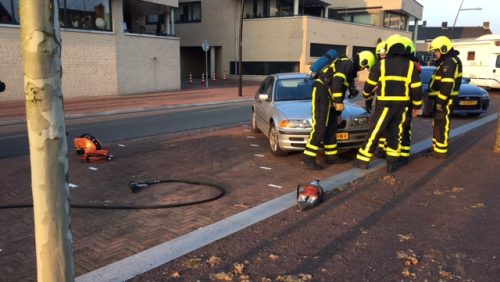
(484, 94)
(295, 123)
(360, 121)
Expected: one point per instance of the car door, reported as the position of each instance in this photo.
(262, 107)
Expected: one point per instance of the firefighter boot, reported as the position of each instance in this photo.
(311, 163)
(379, 153)
(332, 159)
(360, 164)
(394, 165)
(439, 155)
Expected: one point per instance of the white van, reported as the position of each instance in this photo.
(481, 60)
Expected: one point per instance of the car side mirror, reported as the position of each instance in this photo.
(263, 97)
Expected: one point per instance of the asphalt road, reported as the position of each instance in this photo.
(113, 128)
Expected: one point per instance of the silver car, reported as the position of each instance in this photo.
(282, 111)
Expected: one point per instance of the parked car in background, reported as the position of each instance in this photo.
(282, 112)
(472, 100)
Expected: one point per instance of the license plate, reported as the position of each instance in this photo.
(342, 136)
(467, 103)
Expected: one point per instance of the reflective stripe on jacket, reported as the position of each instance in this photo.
(342, 77)
(397, 81)
(447, 79)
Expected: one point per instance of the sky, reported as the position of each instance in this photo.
(437, 11)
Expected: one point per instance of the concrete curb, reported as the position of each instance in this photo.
(170, 250)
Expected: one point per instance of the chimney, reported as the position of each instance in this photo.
(444, 25)
(486, 25)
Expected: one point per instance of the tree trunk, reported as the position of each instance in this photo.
(41, 50)
(496, 148)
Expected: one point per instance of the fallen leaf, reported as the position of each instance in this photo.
(405, 237)
(389, 179)
(238, 268)
(265, 279)
(193, 263)
(437, 192)
(414, 260)
(446, 275)
(406, 273)
(242, 205)
(478, 206)
(273, 257)
(213, 261)
(175, 275)
(245, 278)
(223, 276)
(457, 189)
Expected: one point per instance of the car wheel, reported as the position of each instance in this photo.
(254, 122)
(274, 143)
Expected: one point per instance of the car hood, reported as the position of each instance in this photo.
(302, 109)
(471, 90)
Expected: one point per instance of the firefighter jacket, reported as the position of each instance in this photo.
(446, 80)
(397, 81)
(343, 77)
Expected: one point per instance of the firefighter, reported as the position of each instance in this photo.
(443, 90)
(405, 146)
(326, 113)
(398, 84)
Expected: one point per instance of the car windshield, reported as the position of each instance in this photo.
(293, 89)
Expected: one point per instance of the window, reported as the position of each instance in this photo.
(396, 21)
(497, 65)
(188, 12)
(9, 12)
(471, 56)
(142, 17)
(85, 14)
(265, 68)
(317, 50)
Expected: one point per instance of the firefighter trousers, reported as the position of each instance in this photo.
(324, 129)
(405, 138)
(441, 128)
(389, 119)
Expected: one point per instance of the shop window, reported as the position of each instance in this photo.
(147, 18)
(9, 12)
(85, 14)
(471, 56)
(188, 12)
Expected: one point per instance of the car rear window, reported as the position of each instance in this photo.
(293, 89)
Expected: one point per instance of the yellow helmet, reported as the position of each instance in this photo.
(393, 41)
(409, 46)
(442, 44)
(380, 49)
(366, 59)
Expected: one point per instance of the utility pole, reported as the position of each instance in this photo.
(41, 51)
(240, 80)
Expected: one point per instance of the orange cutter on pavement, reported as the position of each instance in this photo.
(90, 149)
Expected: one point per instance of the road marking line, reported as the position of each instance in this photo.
(258, 155)
(254, 145)
(93, 168)
(71, 185)
(265, 167)
(247, 130)
(274, 186)
(251, 137)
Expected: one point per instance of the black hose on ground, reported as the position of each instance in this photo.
(137, 187)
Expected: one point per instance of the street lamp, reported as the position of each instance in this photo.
(458, 12)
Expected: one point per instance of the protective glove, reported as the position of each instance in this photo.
(369, 105)
(339, 107)
(439, 107)
(353, 92)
